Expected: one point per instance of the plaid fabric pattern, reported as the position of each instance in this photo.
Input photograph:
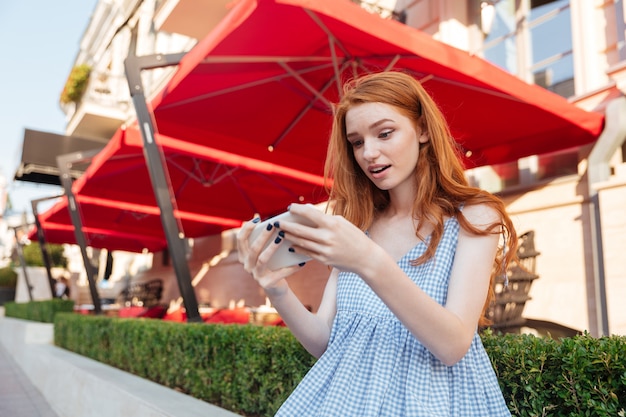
(374, 366)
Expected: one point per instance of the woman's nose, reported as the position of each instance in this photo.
(370, 149)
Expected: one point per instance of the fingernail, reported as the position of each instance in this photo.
(269, 226)
(256, 220)
(276, 224)
(281, 233)
(277, 240)
(289, 207)
(292, 250)
(302, 264)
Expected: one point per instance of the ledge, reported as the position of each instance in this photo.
(76, 386)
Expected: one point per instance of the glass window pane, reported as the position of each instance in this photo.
(503, 54)
(552, 36)
(558, 76)
(557, 165)
(501, 39)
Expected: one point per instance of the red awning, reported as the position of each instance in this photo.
(99, 233)
(244, 122)
(215, 190)
(261, 85)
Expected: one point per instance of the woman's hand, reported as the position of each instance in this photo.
(333, 241)
(254, 258)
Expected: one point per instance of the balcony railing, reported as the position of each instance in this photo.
(383, 8)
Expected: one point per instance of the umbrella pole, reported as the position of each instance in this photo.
(43, 245)
(19, 248)
(65, 163)
(160, 185)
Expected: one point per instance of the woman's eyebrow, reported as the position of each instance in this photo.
(370, 127)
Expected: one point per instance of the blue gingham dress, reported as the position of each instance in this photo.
(373, 365)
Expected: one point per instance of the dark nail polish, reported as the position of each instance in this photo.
(269, 226)
(256, 220)
(277, 240)
(292, 250)
(276, 224)
(302, 264)
(281, 233)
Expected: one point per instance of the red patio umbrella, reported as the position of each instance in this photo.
(263, 82)
(214, 190)
(57, 228)
(244, 122)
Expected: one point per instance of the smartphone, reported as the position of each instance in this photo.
(282, 257)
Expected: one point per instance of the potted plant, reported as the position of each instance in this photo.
(76, 84)
(8, 283)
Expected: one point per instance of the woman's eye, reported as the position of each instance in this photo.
(356, 143)
(385, 134)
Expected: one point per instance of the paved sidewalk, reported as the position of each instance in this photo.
(18, 396)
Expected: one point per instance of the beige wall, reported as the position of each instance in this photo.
(613, 211)
(221, 279)
(559, 213)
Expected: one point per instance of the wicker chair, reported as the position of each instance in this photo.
(506, 312)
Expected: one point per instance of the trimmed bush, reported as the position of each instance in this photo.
(247, 369)
(33, 256)
(251, 369)
(577, 376)
(41, 311)
(8, 277)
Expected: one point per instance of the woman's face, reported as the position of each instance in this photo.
(385, 144)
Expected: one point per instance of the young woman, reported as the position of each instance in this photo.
(412, 250)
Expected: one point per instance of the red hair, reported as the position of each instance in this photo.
(442, 189)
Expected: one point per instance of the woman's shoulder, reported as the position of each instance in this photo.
(480, 214)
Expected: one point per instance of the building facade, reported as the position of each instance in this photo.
(573, 200)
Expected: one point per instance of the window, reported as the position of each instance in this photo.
(533, 41)
(557, 165)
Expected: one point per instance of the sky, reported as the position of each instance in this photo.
(40, 39)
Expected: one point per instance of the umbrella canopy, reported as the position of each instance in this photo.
(244, 122)
(263, 82)
(57, 228)
(214, 190)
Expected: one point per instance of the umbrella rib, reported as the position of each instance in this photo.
(278, 185)
(201, 179)
(228, 172)
(322, 26)
(261, 59)
(239, 87)
(245, 196)
(300, 115)
(471, 87)
(307, 85)
(333, 42)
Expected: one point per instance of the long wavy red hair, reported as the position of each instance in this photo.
(442, 187)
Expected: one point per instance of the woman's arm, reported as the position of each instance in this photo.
(311, 330)
(447, 331)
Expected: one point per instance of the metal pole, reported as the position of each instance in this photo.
(43, 245)
(160, 181)
(602, 314)
(65, 163)
(20, 254)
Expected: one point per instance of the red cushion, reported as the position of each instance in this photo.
(133, 311)
(177, 315)
(155, 312)
(237, 315)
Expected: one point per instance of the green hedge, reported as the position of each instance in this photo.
(8, 277)
(247, 369)
(577, 376)
(42, 311)
(250, 369)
